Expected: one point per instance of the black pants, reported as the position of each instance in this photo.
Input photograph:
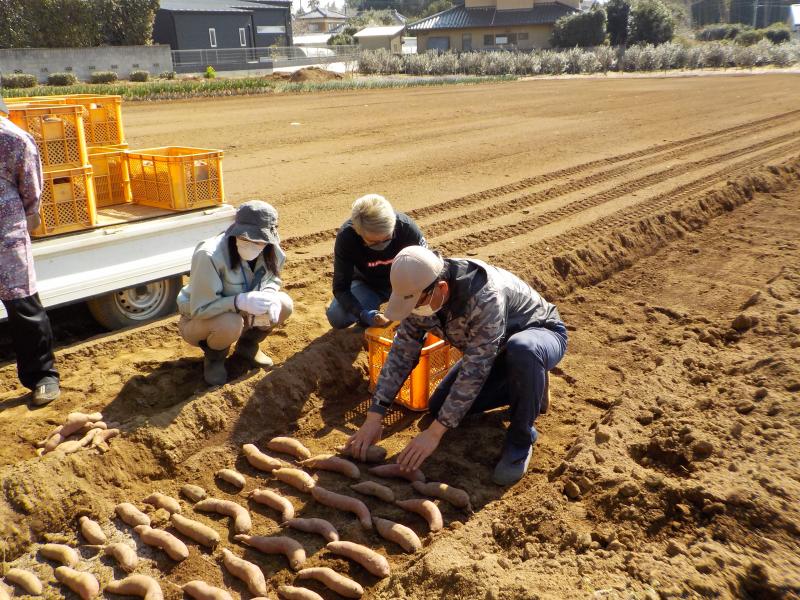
(32, 339)
(516, 380)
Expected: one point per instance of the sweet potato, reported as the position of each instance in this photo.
(246, 571)
(235, 478)
(164, 540)
(195, 530)
(296, 478)
(125, 555)
(274, 500)
(342, 502)
(131, 515)
(193, 492)
(371, 488)
(72, 446)
(100, 440)
(291, 592)
(424, 508)
(136, 585)
(367, 558)
(83, 584)
(96, 425)
(313, 525)
(395, 471)
(60, 553)
(92, 531)
(399, 534)
(26, 580)
(259, 460)
(159, 500)
(329, 462)
(375, 454)
(276, 545)
(200, 590)
(288, 445)
(74, 422)
(241, 516)
(455, 496)
(344, 586)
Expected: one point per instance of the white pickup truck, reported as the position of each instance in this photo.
(129, 267)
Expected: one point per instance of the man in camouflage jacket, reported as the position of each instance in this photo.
(510, 338)
(20, 192)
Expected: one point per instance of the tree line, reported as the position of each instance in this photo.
(76, 23)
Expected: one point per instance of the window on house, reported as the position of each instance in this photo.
(522, 36)
(242, 36)
(466, 42)
(506, 39)
(212, 37)
(314, 27)
(488, 40)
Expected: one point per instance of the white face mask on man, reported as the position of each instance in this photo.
(249, 250)
(427, 310)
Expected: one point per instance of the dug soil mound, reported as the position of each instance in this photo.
(314, 74)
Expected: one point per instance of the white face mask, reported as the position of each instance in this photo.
(426, 310)
(249, 250)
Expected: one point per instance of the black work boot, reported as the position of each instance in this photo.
(247, 347)
(214, 365)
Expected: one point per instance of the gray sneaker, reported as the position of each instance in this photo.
(45, 391)
(514, 462)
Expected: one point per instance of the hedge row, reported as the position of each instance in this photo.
(578, 60)
(25, 80)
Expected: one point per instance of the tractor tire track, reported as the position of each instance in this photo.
(521, 259)
(498, 234)
(296, 242)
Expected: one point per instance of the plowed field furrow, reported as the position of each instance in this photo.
(488, 236)
(532, 199)
(521, 259)
(678, 146)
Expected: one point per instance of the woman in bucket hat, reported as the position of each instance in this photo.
(233, 291)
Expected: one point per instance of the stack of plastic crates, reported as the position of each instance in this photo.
(176, 178)
(103, 116)
(68, 202)
(435, 360)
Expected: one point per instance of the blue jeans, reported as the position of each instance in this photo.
(516, 380)
(369, 297)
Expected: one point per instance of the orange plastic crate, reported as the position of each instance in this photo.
(176, 178)
(112, 184)
(57, 130)
(67, 202)
(103, 120)
(435, 360)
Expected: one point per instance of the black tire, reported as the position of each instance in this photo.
(137, 305)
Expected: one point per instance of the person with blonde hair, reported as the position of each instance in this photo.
(363, 254)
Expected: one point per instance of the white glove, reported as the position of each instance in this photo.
(273, 314)
(274, 309)
(255, 303)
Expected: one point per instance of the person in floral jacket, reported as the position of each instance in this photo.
(20, 193)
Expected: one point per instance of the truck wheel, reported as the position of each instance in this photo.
(136, 305)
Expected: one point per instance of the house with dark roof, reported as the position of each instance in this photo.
(320, 20)
(491, 25)
(223, 24)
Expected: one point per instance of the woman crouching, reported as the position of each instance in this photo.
(233, 291)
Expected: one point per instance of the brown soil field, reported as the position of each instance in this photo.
(660, 215)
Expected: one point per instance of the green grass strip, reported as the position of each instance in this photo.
(173, 90)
